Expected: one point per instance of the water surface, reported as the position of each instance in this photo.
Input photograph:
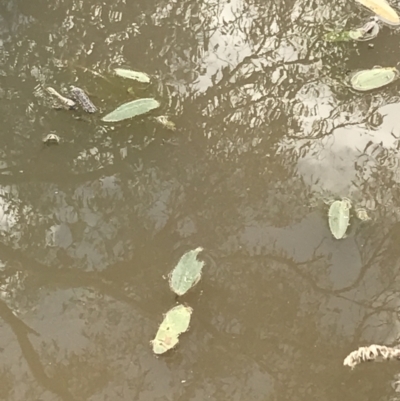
(267, 133)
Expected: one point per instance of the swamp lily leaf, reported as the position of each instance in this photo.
(383, 10)
(135, 75)
(131, 109)
(339, 215)
(186, 273)
(374, 78)
(176, 321)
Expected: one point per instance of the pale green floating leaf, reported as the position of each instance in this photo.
(383, 10)
(131, 109)
(339, 215)
(374, 78)
(163, 342)
(186, 273)
(176, 321)
(135, 75)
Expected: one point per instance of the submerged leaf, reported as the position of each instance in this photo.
(339, 214)
(383, 10)
(368, 31)
(343, 36)
(362, 214)
(131, 109)
(186, 273)
(135, 75)
(374, 78)
(176, 321)
(168, 124)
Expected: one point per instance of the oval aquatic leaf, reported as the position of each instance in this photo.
(383, 10)
(374, 78)
(176, 321)
(186, 273)
(366, 32)
(135, 75)
(339, 214)
(131, 109)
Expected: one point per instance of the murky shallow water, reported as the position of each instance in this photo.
(266, 133)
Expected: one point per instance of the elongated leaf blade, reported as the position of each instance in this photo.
(176, 321)
(135, 75)
(383, 10)
(186, 273)
(339, 214)
(131, 109)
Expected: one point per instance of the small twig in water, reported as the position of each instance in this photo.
(371, 353)
(96, 74)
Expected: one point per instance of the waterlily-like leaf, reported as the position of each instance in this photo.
(374, 78)
(186, 273)
(131, 109)
(339, 214)
(383, 10)
(176, 321)
(135, 75)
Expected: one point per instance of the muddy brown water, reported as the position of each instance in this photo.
(266, 134)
